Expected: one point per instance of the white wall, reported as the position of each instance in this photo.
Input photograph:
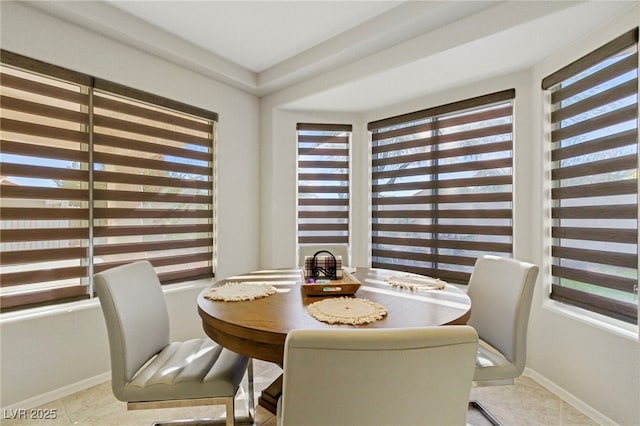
(48, 352)
(595, 367)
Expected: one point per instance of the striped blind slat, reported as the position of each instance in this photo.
(450, 183)
(140, 247)
(323, 201)
(323, 227)
(148, 196)
(596, 78)
(620, 211)
(132, 162)
(443, 213)
(133, 213)
(161, 261)
(153, 131)
(448, 122)
(326, 214)
(612, 283)
(445, 199)
(616, 140)
(46, 111)
(463, 229)
(44, 296)
(150, 180)
(153, 189)
(442, 187)
(594, 176)
(444, 168)
(118, 231)
(43, 234)
(44, 152)
(323, 183)
(610, 165)
(570, 128)
(43, 88)
(624, 260)
(595, 189)
(15, 213)
(600, 100)
(43, 129)
(468, 150)
(151, 114)
(127, 143)
(44, 162)
(39, 254)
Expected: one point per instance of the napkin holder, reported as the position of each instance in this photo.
(323, 264)
(324, 276)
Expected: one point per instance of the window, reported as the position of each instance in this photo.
(323, 183)
(594, 154)
(442, 187)
(152, 187)
(95, 175)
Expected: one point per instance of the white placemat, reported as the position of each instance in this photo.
(239, 291)
(416, 283)
(347, 310)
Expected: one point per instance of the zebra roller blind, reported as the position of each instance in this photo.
(153, 187)
(95, 175)
(323, 183)
(594, 175)
(442, 187)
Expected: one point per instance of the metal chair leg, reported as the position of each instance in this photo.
(485, 413)
(251, 403)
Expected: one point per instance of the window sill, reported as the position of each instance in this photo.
(65, 308)
(610, 325)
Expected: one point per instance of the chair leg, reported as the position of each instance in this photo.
(251, 407)
(231, 412)
(485, 413)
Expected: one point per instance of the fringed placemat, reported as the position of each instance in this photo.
(239, 291)
(347, 310)
(416, 283)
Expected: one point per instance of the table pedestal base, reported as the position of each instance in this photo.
(270, 396)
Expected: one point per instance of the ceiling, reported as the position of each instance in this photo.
(255, 34)
(342, 55)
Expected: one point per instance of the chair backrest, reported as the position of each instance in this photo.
(136, 315)
(501, 290)
(377, 376)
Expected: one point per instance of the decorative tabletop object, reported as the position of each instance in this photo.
(240, 291)
(347, 310)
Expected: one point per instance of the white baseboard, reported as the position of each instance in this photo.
(59, 393)
(576, 402)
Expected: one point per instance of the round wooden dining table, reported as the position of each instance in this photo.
(258, 328)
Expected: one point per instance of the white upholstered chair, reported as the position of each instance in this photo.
(501, 292)
(377, 376)
(147, 369)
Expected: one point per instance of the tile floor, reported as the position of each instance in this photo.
(525, 403)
